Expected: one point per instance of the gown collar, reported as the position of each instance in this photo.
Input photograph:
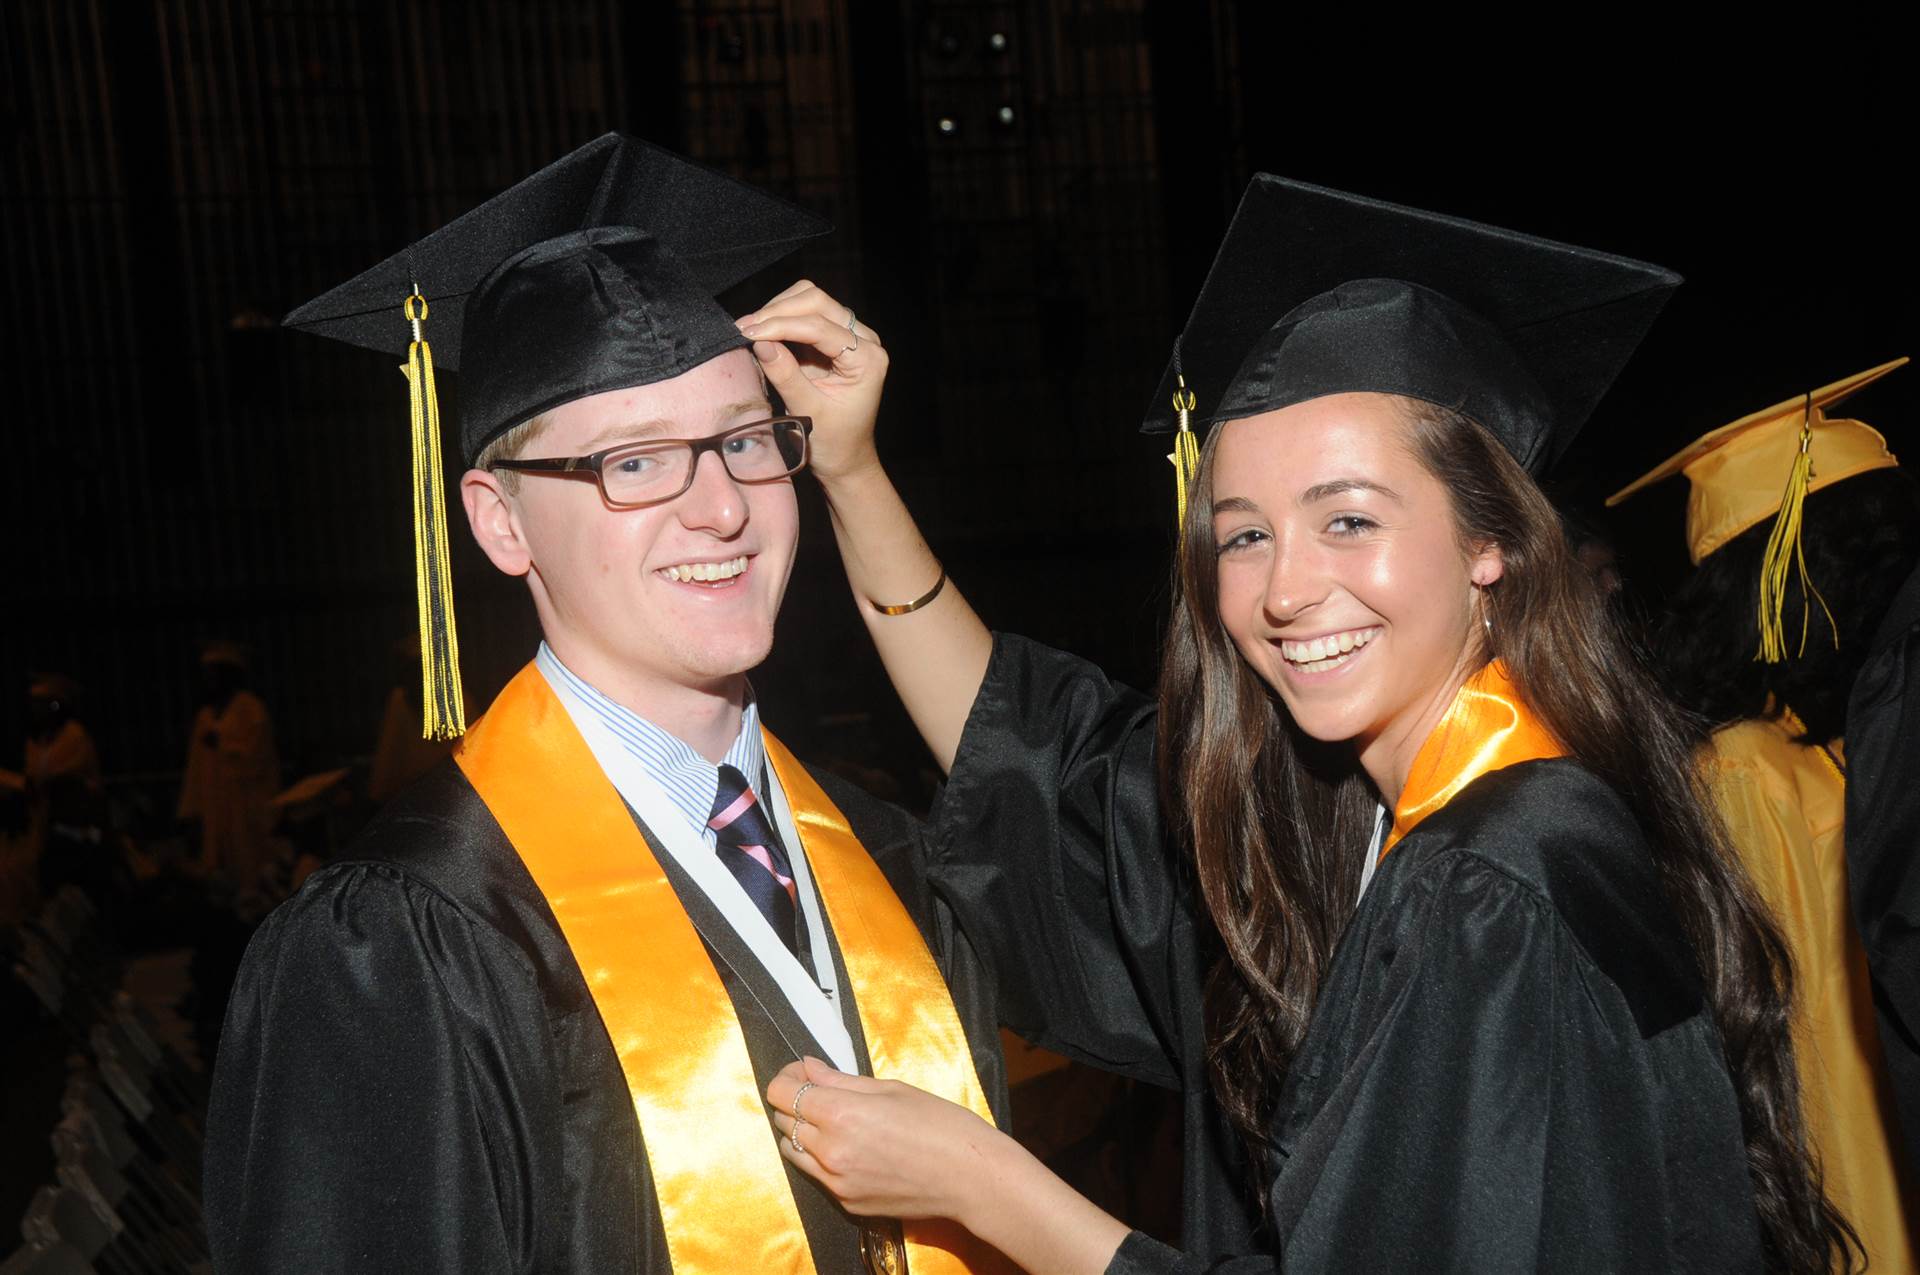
(1488, 727)
(1834, 751)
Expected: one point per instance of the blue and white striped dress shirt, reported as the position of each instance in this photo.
(689, 780)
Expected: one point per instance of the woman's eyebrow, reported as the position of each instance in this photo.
(1341, 486)
(1235, 505)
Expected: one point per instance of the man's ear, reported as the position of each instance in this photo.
(1488, 565)
(495, 520)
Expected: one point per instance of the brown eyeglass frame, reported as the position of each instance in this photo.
(593, 464)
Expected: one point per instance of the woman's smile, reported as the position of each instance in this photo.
(1314, 657)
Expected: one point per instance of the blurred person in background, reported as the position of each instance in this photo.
(401, 754)
(65, 799)
(1883, 840)
(1800, 525)
(232, 770)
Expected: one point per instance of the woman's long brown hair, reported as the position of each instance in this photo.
(1279, 824)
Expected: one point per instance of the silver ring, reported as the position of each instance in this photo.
(851, 332)
(794, 1140)
(798, 1094)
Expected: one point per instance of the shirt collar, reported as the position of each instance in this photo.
(689, 780)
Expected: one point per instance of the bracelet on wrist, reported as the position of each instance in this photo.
(903, 608)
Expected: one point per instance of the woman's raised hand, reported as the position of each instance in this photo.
(885, 1149)
(827, 365)
(830, 366)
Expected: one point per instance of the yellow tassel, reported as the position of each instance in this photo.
(1785, 550)
(440, 693)
(1185, 455)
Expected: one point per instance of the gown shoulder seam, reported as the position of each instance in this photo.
(408, 882)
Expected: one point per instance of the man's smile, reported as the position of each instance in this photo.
(718, 572)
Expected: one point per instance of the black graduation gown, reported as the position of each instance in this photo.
(1883, 841)
(1510, 1068)
(413, 1076)
(1050, 847)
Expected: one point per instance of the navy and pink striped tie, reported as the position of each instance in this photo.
(746, 842)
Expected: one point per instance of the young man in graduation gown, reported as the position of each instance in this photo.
(525, 1024)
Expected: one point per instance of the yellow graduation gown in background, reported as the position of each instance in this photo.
(232, 774)
(1785, 806)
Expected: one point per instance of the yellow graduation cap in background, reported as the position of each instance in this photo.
(1762, 466)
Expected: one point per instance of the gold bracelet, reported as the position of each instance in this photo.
(917, 603)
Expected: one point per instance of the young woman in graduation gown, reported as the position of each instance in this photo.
(1486, 990)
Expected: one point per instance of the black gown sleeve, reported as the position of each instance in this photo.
(379, 1098)
(1049, 846)
(1883, 840)
(1474, 1096)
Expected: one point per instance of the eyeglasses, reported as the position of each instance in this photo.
(635, 475)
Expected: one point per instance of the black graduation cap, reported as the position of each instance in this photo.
(1317, 292)
(596, 273)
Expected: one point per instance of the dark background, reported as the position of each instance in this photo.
(179, 173)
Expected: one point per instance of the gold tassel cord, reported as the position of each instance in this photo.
(1786, 550)
(444, 704)
(1185, 455)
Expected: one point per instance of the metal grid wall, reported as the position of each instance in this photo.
(766, 95)
(181, 172)
(186, 171)
(1037, 126)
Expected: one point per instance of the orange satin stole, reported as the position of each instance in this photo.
(718, 1174)
(1487, 728)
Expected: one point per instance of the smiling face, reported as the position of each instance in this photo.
(1341, 577)
(641, 602)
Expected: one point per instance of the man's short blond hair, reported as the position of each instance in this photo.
(510, 446)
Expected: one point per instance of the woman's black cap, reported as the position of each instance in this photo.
(1318, 292)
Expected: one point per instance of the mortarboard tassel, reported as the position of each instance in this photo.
(440, 693)
(1186, 449)
(1784, 549)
